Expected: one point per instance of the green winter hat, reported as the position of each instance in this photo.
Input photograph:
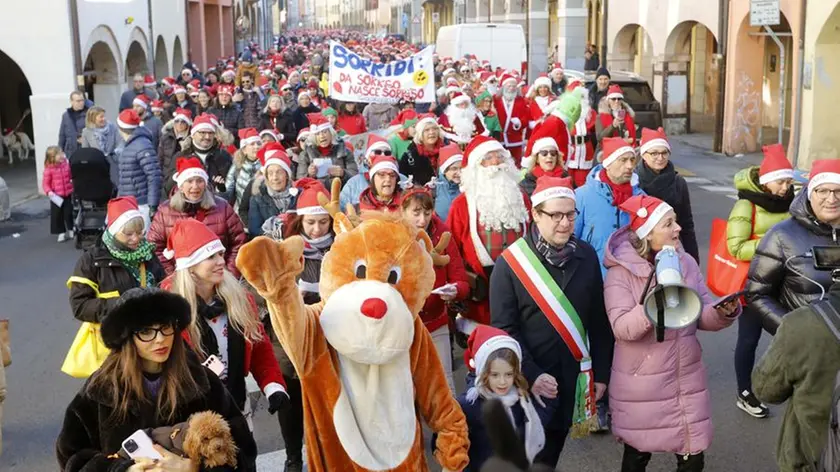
(484, 95)
(410, 123)
(330, 111)
(568, 106)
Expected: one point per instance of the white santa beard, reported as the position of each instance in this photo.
(509, 96)
(461, 120)
(495, 191)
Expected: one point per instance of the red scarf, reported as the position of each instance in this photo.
(432, 154)
(556, 172)
(368, 201)
(621, 192)
(325, 150)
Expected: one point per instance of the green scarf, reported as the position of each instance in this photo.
(131, 259)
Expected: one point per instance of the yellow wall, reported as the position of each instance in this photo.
(819, 138)
(447, 17)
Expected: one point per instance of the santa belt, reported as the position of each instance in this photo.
(582, 139)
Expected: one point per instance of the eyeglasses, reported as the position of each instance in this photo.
(659, 153)
(823, 193)
(148, 335)
(548, 153)
(246, 82)
(615, 99)
(381, 152)
(559, 216)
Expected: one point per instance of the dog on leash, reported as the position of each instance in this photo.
(18, 144)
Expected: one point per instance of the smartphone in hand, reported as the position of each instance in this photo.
(729, 298)
(215, 364)
(140, 446)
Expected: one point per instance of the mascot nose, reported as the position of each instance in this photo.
(374, 308)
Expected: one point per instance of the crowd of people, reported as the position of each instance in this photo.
(557, 206)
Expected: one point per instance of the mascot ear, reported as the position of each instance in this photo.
(439, 259)
(342, 223)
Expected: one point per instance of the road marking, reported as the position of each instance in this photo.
(719, 189)
(684, 172)
(271, 461)
(698, 180)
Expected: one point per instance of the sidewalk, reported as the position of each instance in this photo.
(693, 155)
(21, 180)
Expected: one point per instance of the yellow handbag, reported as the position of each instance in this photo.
(88, 352)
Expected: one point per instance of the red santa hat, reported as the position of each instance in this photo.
(190, 243)
(485, 340)
(128, 119)
(448, 72)
(573, 85)
(824, 171)
(187, 168)
(459, 98)
(271, 133)
(141, 101)
(275, 154)
(542, 81)
(507, 77)
(775, 165)
(549, 187)
(283, 85)
(479, 147)
(177, 88)
(226, 89)
(203, 123)
(318, 122)
(149, 81)
(558, 67)
(645, 212)
(168, 82)
(121, 210)
(303, 134)
(449, 155)
(653, 139)
(486, 76)
(613, 148)
(248, 136)
(187, 71)
(194, 85)
(182, 114)
(229, 71)
(424, 121)
(615, 92)
(383, 163)
(307, 201)
(157, 105)
(376, 142)
(542, 140)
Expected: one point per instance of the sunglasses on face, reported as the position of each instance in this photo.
(381, 152)
(615, 99)
(548, 153)
(246, 82)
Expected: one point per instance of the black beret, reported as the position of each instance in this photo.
(140, 308)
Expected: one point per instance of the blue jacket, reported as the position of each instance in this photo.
(70, 130)
(598, 218)
(140, 174)
(445, 193)
(353, 189)
(261, 208)
(154, 125)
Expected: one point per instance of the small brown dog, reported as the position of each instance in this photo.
(205, 438)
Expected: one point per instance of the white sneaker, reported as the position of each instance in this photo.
(62, 237)
(71, 234)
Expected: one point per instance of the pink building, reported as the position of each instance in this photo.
(210, 31)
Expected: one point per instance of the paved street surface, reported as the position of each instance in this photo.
(34, 268)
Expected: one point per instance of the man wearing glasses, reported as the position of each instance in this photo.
(546, 291)
(249, 98)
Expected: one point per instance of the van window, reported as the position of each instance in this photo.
(636, 93)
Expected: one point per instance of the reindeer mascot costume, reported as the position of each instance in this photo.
(367, 365)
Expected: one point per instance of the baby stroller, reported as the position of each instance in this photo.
(92, 188)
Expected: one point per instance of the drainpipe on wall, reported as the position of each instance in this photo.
(723, 28)
(185, 44)
(797, 120)
(78, 68)
(152, 42)
(605, 8)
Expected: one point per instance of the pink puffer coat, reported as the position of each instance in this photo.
(57, 179)
(658, 394)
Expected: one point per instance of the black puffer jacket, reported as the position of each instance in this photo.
(230, 116)
(283, 123)
(775, 288)
(169, 147)
(101, 268)
(672, 188)
(217, 162)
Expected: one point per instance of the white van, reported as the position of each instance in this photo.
(500, 43)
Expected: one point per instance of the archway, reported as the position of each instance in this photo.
(15, 113)
(825, 141)
(633, 51)
(102, 73)
(161, 59)
(177, 57)
(692, 43)
(135, 60)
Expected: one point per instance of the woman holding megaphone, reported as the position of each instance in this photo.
(658, 393)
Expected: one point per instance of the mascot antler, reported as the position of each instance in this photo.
(343, 221)
(439, 259)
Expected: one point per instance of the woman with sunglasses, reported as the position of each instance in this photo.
(658, 178)
(615, 118)
(544, 159)
(224, 328)
(149, 380)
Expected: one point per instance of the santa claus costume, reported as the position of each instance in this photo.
(461, 121)
(581, 157)
(489, 216)
(514, 116)
(539, 103)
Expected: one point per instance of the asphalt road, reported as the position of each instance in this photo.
(34, 268)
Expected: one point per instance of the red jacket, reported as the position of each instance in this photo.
(459, 225)
(352, 124)
(221, 219)
(259, 356)
(57, 179)
(535, 109)
(433, 313)
(511, 134)
(629, 125)
(367, 202)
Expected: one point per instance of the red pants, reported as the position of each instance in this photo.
(579, 176)
(516, 153)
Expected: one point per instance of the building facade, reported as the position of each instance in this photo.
(211, 29)
(91, 45)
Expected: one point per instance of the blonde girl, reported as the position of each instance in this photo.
(58, 185)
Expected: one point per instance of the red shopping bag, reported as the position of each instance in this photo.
(724, 273)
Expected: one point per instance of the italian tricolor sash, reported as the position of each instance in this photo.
(564, 318)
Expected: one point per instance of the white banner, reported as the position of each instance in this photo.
(355, 79)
